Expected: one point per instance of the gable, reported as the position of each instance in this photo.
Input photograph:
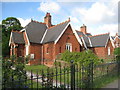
(55, 32)
(17, 37)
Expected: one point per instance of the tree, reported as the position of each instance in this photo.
(9, 24)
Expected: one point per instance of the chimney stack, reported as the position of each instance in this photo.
(83, 29)
(47, 19)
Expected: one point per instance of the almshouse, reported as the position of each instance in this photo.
(44, 41)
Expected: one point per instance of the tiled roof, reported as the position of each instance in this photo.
(88, 34)
(85, 38)
(94, 41)
(99, 40)
(35, 31)
(17, 37)
(54, 32)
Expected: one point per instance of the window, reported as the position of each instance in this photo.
(108, 50)
(32, 56)
(27, 49)
(69, 47)
(60, 50)
(47, 51)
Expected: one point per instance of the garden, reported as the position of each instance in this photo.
(86, 71)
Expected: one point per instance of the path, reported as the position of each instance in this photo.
(114, 84)
(40, 79)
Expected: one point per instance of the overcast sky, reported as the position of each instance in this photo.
(99, 17)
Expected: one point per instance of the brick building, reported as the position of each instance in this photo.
(44, 41)
(115, 40)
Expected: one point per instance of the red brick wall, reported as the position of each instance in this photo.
(111, 49)
(102, 52)
(54, 49)
(117, 41)
(48, 57)
(67, 37)
(36, 50)
(20, 50)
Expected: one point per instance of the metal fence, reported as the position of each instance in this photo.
(68, 77)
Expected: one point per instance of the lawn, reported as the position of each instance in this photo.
(36, 68)
(99, 80)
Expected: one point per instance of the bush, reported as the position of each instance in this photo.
(117, 53)
(13, 70)
(84, 57)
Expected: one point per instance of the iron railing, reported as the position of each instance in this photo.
(68, 77)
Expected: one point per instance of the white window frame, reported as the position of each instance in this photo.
(69, 47)
(27, 50)
(32, 56)
(109, 51)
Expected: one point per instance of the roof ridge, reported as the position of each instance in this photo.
(59, 24)
(38, 22)
(98, 34)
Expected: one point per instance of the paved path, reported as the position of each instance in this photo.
(114, 84)
(40, 80)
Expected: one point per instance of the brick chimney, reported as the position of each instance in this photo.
(47, 19)
(83, 29)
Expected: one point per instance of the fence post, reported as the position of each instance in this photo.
(118, 62)
(72, 75)
(90, 75)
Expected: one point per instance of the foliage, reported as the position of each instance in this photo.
(9, 24)
(13, 70)
(117, 51)
(117, 54)
(84, 57)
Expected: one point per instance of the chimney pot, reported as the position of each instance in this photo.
(47, 19)
(83, 29)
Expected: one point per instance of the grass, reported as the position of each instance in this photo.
(34, 85)
(99, 82)
(104, 80)
(36, 68)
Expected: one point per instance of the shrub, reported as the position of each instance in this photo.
(13, 69)
(84, 57)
